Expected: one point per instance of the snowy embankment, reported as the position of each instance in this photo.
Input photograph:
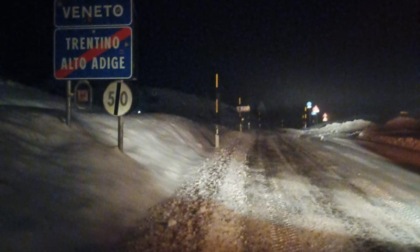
(398, 139)
(349, 128)
(402, 131)
(70, 188)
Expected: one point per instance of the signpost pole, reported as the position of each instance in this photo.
(121, 133)
(240, 115)
(117, 101)
(68, 106)
(217, 140)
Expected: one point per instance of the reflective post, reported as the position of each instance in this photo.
(217, 140)
(240, 115)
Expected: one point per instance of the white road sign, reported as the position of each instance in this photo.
(117, 98)
(241, 109)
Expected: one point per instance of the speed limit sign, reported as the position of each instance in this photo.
(117, 98)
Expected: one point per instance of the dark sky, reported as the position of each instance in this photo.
(350, 57)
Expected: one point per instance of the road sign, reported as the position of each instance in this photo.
(100, 53)
(117, 98)
(83, 95)
(241, 109)
(92, 13)
(315, 110)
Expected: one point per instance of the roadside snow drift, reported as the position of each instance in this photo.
(339, 129)
(402, 131)
(70, 188)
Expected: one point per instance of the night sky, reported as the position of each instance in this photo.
(350, 57)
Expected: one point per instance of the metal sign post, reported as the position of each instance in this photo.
(241, 110)
(121, 133)
(117, 100)
(68, 103)
(240, 116)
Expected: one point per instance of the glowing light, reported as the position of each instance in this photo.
(315, 110)
(325, 117)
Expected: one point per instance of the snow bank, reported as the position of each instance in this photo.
(340, 129)
(70, 188)
(402, 123)
(13, 93)
(169, 146)
(402, 131)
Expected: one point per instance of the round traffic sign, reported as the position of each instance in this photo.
(117, 98)
(83, 95)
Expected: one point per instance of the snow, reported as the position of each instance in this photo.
(73, 183)
(13, 93)
(401, 131)
(402, 123)
(70, 187)
(334, 129)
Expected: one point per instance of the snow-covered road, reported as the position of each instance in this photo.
(283, 191)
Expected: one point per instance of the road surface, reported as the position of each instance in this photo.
(284, 191)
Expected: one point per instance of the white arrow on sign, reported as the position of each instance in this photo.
(117, 98)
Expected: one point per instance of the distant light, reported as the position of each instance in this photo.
(315, 110)
(309, 104)
(325, 117)
(139, 112)
(403, 113)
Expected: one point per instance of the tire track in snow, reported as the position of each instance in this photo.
(191, 219)
(287, 187)
(264, 218)
(365, 232)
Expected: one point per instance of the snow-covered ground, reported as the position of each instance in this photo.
(402, 131)
(339, 129)
(66, 188)
(70, 188)
(284, 191)
(397, 139)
